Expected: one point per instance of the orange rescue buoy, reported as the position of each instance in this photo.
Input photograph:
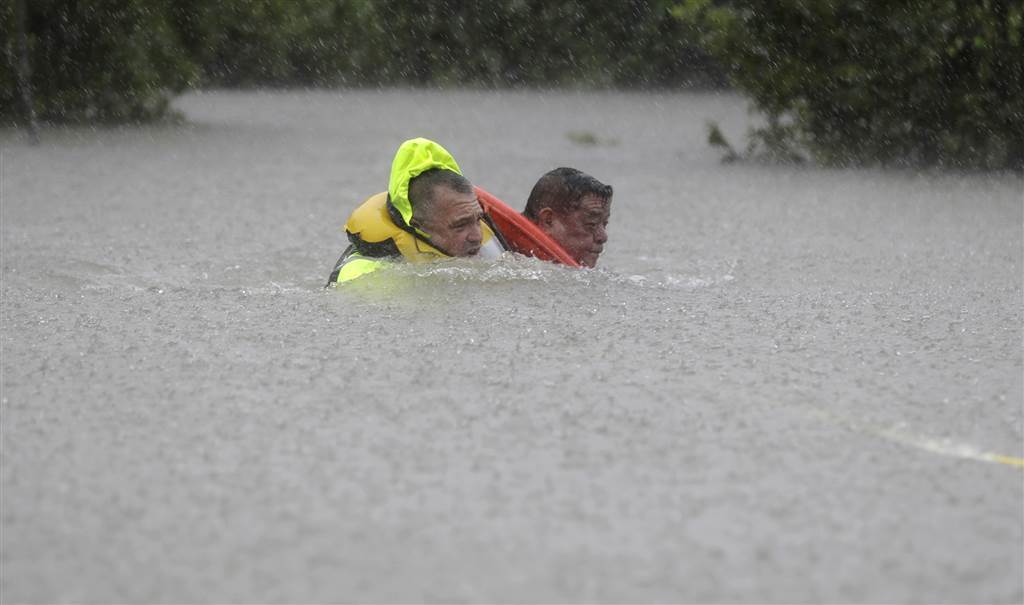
(521, 234)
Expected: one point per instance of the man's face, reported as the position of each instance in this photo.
(582, 232)
(454, 222)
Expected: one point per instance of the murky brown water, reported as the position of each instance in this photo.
(782, 384)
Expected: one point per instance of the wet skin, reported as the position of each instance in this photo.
(582, 232)
(454, 222)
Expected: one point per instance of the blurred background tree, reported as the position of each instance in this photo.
(247, 43)
(930, 82)
(121, 60)
(529, 42)
(98, 61)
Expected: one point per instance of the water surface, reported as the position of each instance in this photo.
(781, 384)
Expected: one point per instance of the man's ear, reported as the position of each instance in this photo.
(546, 217)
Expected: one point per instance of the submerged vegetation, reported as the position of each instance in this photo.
(587, 138)
(932, 82)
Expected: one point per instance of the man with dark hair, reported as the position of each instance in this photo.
(430, 211)
(573, 208)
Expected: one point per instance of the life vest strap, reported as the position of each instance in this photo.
(381, 249)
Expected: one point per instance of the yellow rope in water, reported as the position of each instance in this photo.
(942, 447)
(1007, 460)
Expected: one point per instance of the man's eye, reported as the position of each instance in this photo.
(466, 222)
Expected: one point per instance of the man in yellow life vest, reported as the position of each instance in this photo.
(429, 212)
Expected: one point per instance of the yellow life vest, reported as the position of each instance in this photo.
(372, 231)
(376, 238)
(381, 227)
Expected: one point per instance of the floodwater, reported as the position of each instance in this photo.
(781, 384)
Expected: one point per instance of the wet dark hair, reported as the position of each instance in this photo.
(562, 189)
(422, 189)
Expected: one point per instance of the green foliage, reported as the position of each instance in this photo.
(101, 61)
(527, 42)
(120, 60)
(8, 61)
(275, 42)
(717, 139)
(586, 138)
(932, 82)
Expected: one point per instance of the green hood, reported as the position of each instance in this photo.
(413, 158)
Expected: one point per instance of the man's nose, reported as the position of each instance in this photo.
(601, 235)
(475, 235)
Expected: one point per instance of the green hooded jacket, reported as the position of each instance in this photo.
(413, 158)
